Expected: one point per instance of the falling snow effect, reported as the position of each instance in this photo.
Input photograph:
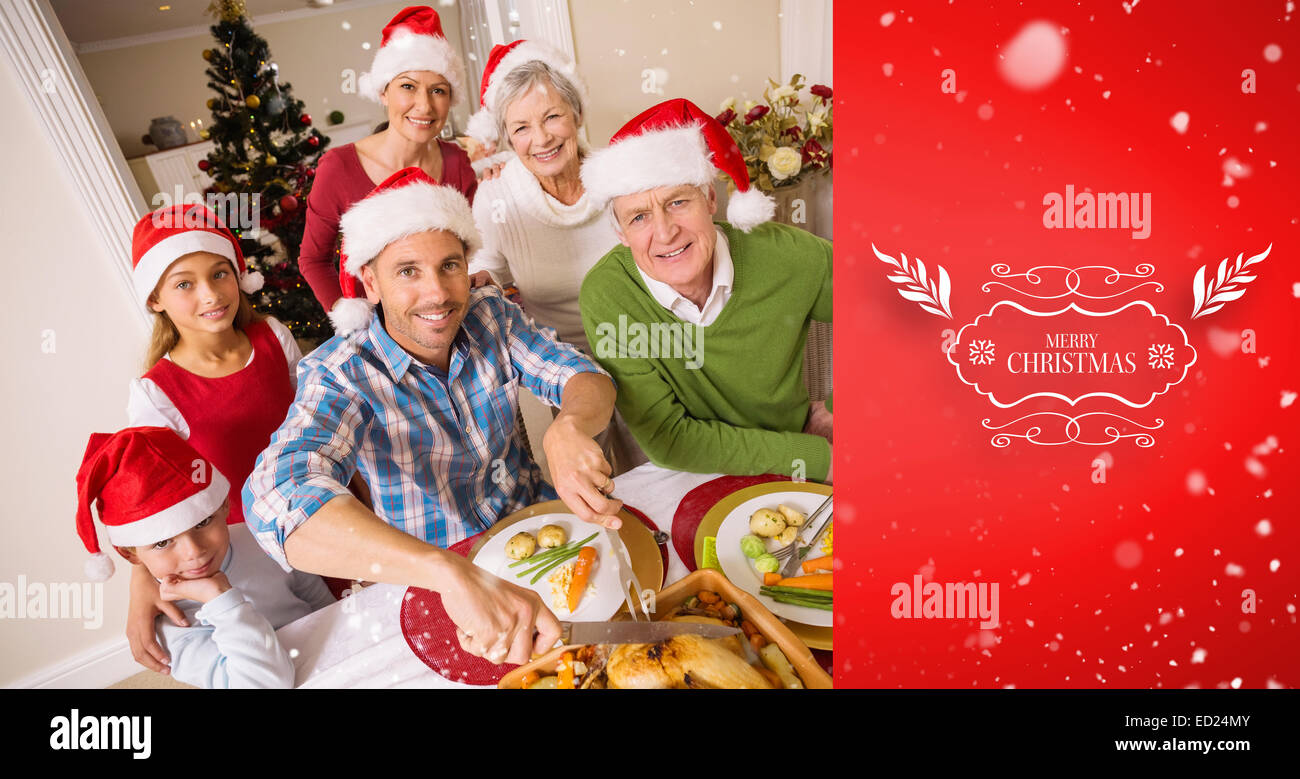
(1179, 122)
(1034, 57)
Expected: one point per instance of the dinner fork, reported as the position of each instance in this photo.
(789, 553)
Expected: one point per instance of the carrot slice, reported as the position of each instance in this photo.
(565, 672)
(771, 578)
(816, 581)
(581, 572)
(817, 564)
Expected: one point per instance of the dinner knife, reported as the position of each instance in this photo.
(638, 632)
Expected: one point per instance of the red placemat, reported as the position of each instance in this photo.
(697, 502)
(432, 635)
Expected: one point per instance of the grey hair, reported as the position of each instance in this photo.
(523, 78)
(618, 228)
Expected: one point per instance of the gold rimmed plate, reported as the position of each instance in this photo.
(642, 550)
(728, 520)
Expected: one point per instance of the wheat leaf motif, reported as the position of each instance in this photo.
(1209, 294)
(917, 285)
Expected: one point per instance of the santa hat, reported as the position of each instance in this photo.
(406, 203)
(413, 40)
(503, 59)
(670, 144)
(148, 485)
(172, 232)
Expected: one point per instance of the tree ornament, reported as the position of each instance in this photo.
(204, 134)
(305, 119)
(313, 141)
(270, 159)
(212, 103)
(253, 101)
(275, 105)
(207, 54)
(204, 165)
(289, 203)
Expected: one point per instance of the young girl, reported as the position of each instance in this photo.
(218, 373)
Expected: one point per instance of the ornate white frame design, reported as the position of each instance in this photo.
(57, 88)
(1071, 307)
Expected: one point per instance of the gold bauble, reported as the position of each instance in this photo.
(212, 103)
(252, 101)
(204, 134)
(207, 54)
(270, 159)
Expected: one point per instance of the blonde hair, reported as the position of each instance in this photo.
(165, 336)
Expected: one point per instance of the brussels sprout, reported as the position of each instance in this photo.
(767, 564)
(753, 546)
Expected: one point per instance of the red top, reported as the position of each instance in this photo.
(340, 182)
(232, 418)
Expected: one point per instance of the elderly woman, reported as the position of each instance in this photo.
(417, 76)
(541, 232)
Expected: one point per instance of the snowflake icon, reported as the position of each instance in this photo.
(1160, 356)
(981, 351)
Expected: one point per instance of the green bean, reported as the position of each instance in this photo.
(542, 572)
(811, 604)
(801, 591)
(551, 553)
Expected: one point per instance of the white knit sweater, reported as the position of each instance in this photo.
(541, 245)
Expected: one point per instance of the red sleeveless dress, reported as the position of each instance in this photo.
(232, 419)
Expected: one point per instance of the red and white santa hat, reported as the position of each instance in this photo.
(406, 203)
(413, 40)
(147, 484)
(503, 59)
(670, 144)
(170, 233)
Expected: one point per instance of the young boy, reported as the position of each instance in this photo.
(164, 507)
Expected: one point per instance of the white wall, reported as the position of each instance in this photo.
(138, 83)
(710, 50)
(60, 285)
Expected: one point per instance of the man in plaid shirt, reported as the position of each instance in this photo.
(420, 394)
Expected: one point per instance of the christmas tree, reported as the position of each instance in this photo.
(262, 166)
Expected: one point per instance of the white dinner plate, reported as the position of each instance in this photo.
(740, 569)
(596, 606)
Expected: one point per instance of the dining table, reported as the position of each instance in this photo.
(358, 642)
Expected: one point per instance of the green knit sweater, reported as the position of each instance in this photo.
(730, 397)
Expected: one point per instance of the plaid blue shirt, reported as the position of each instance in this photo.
(438, 451)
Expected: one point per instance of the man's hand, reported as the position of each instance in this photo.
(482, 279)
(581, 473)
(201, 590)
(495, 619)
(145, 604)
(820, 421)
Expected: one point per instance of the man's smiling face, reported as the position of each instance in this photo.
(422, 282)
(670, 232)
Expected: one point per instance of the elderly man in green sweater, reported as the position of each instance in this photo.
(703, 324)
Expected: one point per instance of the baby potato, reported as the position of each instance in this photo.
(551, 536)
(766, 523)
(787, 536)
(792, 517)
(521, 546)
